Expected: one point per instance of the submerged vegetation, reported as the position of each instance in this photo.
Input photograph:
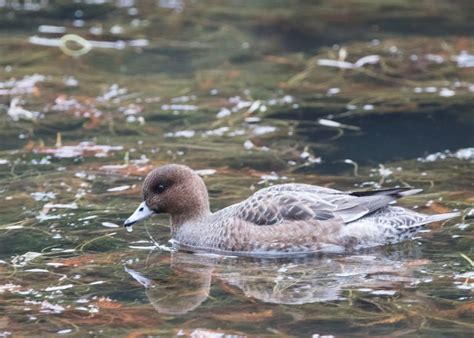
(351, 95)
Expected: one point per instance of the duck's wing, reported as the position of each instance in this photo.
(301, 202)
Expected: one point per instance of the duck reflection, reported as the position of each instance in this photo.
(184, 283)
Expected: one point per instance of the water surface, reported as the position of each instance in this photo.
(351, 95)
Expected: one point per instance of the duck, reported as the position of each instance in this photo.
(280, 220)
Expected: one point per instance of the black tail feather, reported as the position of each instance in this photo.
(395, 192)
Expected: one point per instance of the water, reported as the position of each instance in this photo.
(239, 88)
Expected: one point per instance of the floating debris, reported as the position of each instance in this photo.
(27, 85)
(464, 59)
(182, 133)
(139, 277)
(262, 130)
(206, 172)
(82, 149)
(119, 188)
(16, 112)
(384, 292)
(85, 45)
(248, 145)
(461, 154)
(43, 196)
(178, 107)
(110, 225)
(366, 60)
(59, 287)
(9, 287)
(47, 307)
(65, 331)
(24, 259)
(224, 112)
(335, 124)
(112, 92)
(446, 92)
(308, 157)
(51, 29)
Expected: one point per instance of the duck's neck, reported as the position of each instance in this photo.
(195, 216)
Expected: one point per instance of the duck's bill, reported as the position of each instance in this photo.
(140, 214)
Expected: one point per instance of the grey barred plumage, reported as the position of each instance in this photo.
(279, 220)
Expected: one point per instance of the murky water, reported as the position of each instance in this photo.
(354, 94)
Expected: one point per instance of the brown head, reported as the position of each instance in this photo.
(172, 189)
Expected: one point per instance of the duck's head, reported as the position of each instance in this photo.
(172, 189)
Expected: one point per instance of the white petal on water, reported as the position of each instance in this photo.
(366, 60)
(384, 292)
(465, 154)
(65, 331)
(335, 63)
(462, 226)
(224, 112)
(55, 265)
(71, 205)
(43, 196)
(99, 282)
(255, 105)
(23, 86)
(261, 130)
(59, 287)
(151, 247)
(461, 154)
(446, 92)
(88, 217)
(329, 123)
(24, 259)
(179, 107)
(252, 119)
(110, 225)
(217, 132)
(48, 307)
(335, 124)
(119, 188)
(51, 29)
(464, 59)
(139, 277)
(16, 112)
(206, 172)
(181, 133)
(435, 58)
(248, 145)
(13, 227)
(36, 270)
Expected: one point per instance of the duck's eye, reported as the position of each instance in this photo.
(159, 189)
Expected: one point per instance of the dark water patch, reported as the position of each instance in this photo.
(392, 137)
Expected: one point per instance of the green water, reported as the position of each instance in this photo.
(238, 87)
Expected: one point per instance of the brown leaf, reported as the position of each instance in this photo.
(439, 208)
(238, 316)
(390, 320)
(462, 310)
(106, 303)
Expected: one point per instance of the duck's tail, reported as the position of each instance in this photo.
(440, 217)
(392, 192)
